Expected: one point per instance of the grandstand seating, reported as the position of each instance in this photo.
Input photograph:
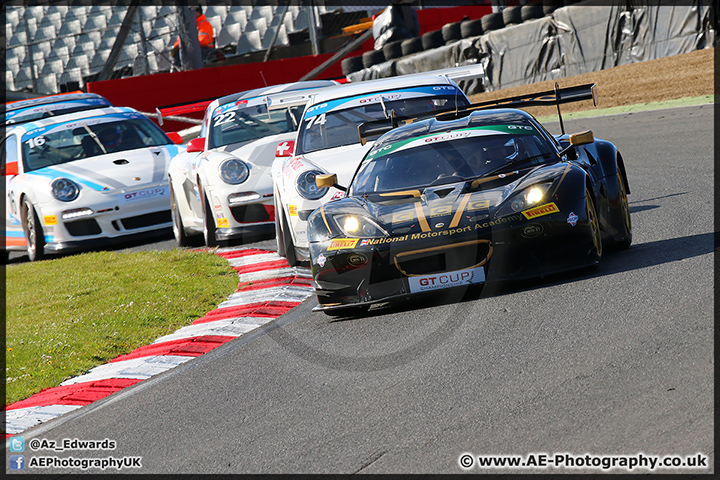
(72, 42)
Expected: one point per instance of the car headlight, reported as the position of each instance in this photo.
(234, 171)
(529, 197)
(359, 226)
(306, 185)
(65, 190)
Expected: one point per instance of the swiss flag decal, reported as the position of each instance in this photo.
(285, 149)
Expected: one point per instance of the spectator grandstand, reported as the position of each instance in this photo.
(52, 48)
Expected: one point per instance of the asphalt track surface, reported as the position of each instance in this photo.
(616, 360)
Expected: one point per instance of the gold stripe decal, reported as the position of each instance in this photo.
(414, 193)
(458, 214)
(421, 217)
(322, 211)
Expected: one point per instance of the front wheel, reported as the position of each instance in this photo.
(290, 253)
(181, 237)
(279, 229)
(594, 225)
(33, 232)
(208, 223)
(626, 230)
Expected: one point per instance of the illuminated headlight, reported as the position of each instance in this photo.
(530, 197)
(234, 171)
(243, 197)
(65, 190)
(306, 185)
(359, 226)
(78, 212)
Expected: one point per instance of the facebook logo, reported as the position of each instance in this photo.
(17, 462)
(17, 444)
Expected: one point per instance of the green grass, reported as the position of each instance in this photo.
(67, 315)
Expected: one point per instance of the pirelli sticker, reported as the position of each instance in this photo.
(342, 244)
(292, 210)
(50, 219)
(546, 209)
(223, 223)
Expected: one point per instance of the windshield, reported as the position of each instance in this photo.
(247, 120)
(337, 126)
(451, 157)
(57, 144)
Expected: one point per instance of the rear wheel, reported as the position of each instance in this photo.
(626, 235)
(208, 223)
(33, 232)
(594, 225)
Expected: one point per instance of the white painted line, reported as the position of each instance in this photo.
(253, 259)
(230, 327)
(288, 293)
(21, 419)
(275, 273)
(140, 368)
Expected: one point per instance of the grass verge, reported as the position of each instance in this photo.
(67, 315)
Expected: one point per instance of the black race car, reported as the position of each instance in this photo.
(466, 197)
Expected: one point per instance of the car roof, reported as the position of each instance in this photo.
(276, 89)
(506, 116)
(63, 97)
(370, 86)
(97, 112)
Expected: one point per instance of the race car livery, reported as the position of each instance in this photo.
(85, 179)
(33, 109)
(486, 195)
(328, 141)
(221, 188)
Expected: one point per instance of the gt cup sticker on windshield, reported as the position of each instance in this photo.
(342, 244)
(546, 209)
(428, 283)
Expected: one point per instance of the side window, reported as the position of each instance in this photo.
(10, 150)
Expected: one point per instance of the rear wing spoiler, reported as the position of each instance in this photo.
(557, 96)
(175, 112)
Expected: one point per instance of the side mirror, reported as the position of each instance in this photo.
(327, 181)
(196, 145)
(285, 149)
(11, 169)
(582, 138)
(577, 139)
(175, 137)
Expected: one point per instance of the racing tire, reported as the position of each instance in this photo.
(393, 50)
(471, 28)
(512, 15)
(353, 311)
(594, 226)
(492, 21)
(208, 224)
(279, 230)
(351, 64)
(372, 57)
(531, 11)
(411, 45)
(182, 239)
(290, 254)
(431, 40)
(451, 32)
(626, 237)
(34, 234)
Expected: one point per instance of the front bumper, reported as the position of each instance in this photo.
(367, 274)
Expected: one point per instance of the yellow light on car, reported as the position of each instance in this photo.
(351, 224)
(534, 196)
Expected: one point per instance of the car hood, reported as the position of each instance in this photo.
(260, 152)
(115, 171)
(439, 205)
(342, 161)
